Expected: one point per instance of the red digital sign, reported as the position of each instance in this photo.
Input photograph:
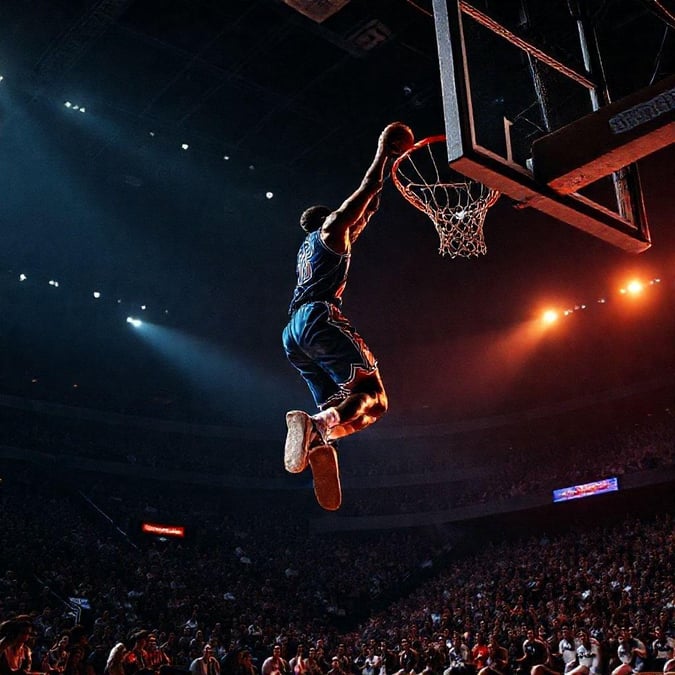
(164, 530)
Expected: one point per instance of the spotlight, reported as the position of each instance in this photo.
(68, 104)
(144, 307)
(549, 316)
(185, 146)
(136, 323)
(83, 109)
(97, 294)
(22, 277)
(269, 195)
(226, 157)
(53, 283)
(633, 287)
(2, 77)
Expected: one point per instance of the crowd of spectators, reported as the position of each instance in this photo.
(247, 580)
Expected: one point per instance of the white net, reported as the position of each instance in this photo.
(456, 204)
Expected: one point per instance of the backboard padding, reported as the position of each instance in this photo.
(607, 140)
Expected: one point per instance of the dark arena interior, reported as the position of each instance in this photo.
(156, 156)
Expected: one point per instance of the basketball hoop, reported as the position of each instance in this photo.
(456, 204)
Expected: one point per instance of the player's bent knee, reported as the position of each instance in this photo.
(382, 404)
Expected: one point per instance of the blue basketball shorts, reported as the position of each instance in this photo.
(326, 350)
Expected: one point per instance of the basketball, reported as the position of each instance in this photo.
(398, 138)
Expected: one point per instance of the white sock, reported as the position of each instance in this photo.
(326, 420)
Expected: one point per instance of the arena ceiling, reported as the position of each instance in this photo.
(269, 100)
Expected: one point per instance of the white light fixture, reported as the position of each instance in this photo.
(68, 104)
(185, 146)
(22, 277)
(97, 294)
(269, 195)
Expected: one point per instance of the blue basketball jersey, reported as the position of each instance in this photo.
(321, 273)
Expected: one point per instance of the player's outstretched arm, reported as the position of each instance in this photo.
(344, 225)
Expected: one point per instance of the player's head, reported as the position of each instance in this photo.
(313, 217)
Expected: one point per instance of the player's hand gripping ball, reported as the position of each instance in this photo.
(397, 138)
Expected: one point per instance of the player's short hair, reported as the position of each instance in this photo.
(313, 217)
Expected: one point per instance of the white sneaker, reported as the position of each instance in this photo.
(300, 429)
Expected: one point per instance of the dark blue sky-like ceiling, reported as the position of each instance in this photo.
(269, 101)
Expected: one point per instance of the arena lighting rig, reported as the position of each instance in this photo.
(633, 288)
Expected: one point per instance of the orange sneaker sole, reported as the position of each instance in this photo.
(323, 462)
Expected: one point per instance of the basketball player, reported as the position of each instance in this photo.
(319, 341)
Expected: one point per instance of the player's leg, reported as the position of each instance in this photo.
(342, 374)
(344, 355)
(301, 431)
(365, 403)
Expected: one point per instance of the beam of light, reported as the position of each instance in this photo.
(482, 367)
(227, 381)
(136, 323)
